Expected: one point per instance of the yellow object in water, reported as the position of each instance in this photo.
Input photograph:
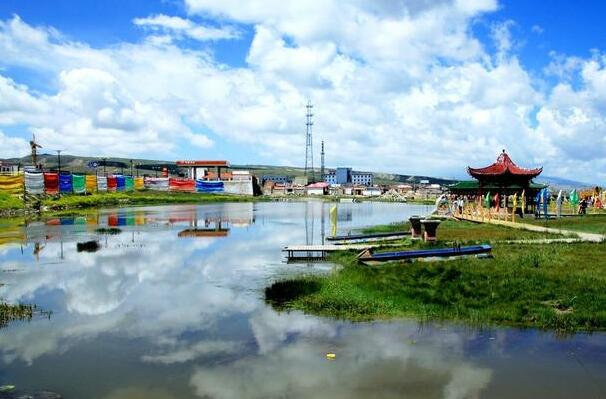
(333, 220)
(331, 356)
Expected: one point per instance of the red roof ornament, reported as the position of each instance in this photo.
(504, 166)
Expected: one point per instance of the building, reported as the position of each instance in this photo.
(371, 192)
(344, 176)
(503, 177)
(363, 178)
(202, 169)
(241, 175)
(320, 188)
(280, 179)
(8, 168)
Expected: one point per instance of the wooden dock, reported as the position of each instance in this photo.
(318, 252)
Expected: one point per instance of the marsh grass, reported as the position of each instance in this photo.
(134, 198)
(554, 286)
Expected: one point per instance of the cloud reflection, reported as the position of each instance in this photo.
(373, 360)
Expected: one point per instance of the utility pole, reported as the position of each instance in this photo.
(322, 162)
(104, 163)
(309, 153)
(59, 161)
(131, 168)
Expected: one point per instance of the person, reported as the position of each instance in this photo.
(583, 207)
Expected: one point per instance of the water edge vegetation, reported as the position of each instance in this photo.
(559, 286)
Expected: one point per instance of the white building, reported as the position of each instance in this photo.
(8, 168)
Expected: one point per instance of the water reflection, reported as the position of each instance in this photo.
(172, 306)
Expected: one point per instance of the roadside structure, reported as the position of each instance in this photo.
(503, 177)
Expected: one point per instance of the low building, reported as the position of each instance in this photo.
(8, 168)
(202, 169)
(403, 188)
(342, 176)
(280, 179)
(371, 192)
(320, 188)
(241, 175)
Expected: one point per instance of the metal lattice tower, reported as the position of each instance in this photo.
(322, 162)
(309, 153)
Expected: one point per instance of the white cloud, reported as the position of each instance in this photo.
(12, 146)
(537, 29)
(407, 84)
(185, 27)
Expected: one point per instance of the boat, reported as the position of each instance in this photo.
(368, 257)
(394, 235)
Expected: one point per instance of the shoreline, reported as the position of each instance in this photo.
(67, 203)
(10, 206)
(534, 283)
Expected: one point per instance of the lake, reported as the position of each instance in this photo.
(169, 304)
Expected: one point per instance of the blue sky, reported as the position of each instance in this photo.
(393, 85)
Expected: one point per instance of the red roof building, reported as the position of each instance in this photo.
(503, 177)
(504, 170)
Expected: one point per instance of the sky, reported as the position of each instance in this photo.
(421, 87)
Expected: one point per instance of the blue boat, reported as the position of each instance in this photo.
(366, 256)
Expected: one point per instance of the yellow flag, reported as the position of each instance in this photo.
(333, 220)
(523, 200)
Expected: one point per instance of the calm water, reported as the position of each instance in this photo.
(172, 307)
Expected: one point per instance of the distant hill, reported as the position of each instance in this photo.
(561, 183)
(78, 164)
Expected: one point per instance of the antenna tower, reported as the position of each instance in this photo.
(309, 154)
(322, 162)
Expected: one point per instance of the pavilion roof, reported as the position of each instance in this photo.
(504, 166)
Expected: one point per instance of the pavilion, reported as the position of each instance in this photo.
(503, 177)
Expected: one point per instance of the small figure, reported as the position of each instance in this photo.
(583, 207)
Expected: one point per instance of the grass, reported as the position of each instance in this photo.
(463, 231)
(134, 198)
(587, 223)
(10, 202)
(555, 286)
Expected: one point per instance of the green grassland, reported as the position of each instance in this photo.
(595, 223)
(552, 286)
(469, 232)
(9, 203)
(134, 198)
